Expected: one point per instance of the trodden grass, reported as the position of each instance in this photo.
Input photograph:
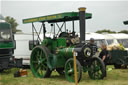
(114, 77)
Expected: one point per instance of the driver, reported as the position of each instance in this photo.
(93, 45)
(91, 41)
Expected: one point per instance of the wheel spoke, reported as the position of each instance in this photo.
(41, 55)
(40, 71)
(38, 66)
(37, 56)
(37, 53)
(44, 66)
(43, 60)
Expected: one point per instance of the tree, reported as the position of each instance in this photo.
(105, 31)
(13, 23)
(124, 31)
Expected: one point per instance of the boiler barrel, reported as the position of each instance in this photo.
(66, 52)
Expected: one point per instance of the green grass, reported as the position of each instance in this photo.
(114, 77)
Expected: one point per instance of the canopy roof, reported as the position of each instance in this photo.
(61, 17)
(126, 22)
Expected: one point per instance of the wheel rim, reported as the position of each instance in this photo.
(69, 71)
(38, 62)
(96, 69)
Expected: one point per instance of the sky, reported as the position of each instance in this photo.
(105, 14)
(0, 6)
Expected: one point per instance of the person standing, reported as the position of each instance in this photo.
(104, 54)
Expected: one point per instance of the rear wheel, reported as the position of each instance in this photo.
(69, 70)
(97, 69)
(38, 62)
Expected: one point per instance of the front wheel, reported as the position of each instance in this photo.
(97, 68)
(69, 70)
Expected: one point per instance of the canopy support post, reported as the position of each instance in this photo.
(44, 30)
(33, 33)
(54, 30)
(65, 26)
(73, 31)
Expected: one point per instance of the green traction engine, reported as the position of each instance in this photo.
(56, 53)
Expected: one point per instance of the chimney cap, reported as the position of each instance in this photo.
(82, 9)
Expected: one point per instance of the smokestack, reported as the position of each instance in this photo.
(82, 24)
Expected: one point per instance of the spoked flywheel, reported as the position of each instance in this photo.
(97, 68)
(38, 62)
(69, 70)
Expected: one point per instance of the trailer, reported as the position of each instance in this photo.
(120, 38)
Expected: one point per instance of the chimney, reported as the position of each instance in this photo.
(82, 24)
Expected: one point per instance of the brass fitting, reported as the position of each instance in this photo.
(82, 9)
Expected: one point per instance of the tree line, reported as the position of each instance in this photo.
(110, 31)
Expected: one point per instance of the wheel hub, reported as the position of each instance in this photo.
(39, 62)
(70, 71)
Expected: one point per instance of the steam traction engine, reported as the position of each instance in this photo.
(57, 52)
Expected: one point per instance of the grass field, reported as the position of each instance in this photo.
(114, 77)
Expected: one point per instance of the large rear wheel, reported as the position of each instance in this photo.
(38, 62)
(97, 68)
(69, 70)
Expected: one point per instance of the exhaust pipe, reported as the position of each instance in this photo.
(82, 24)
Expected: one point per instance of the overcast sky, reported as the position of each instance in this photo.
(105, 14)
